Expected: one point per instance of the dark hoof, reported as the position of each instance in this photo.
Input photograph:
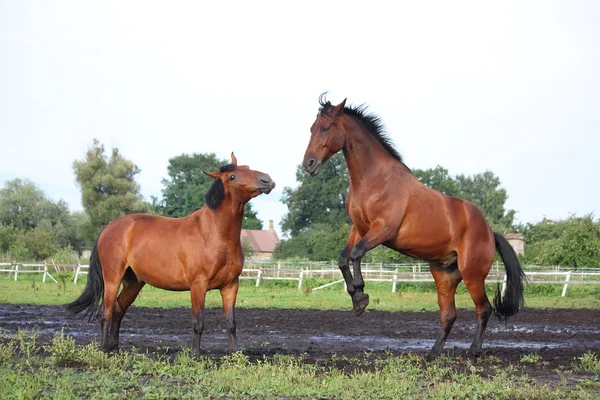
(432, 355)
(360, 302)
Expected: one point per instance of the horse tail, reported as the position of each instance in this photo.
(509, 304)
(93, 291)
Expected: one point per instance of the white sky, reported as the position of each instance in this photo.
(511, 87)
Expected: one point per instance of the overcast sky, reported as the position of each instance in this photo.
(510, 87)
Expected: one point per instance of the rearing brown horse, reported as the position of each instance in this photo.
(199, 252)
(389, 206)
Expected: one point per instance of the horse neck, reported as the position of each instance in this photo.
(228, 219)
(365, 156)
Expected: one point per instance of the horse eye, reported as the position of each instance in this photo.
(325, 129)
(232, 177)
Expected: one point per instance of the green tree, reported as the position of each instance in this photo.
(319, 243)
(573, 242)
(318, 199)
(31, 225)
(482, 189)
(187, 184)
(108, 187)
(437, 178)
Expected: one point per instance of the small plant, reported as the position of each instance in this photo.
(62, 348)
(531, 358)
(588, 363)
(7, 351)
(235, 360)
(27, 342)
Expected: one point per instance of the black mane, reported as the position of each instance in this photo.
(216, 193)
(371, 122)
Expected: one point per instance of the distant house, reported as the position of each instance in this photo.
(262, 242)
(517, 241)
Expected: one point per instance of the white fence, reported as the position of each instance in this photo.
(15, 269)
(417, 275)
(392, 273)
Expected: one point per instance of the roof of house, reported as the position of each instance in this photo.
(261, 241)
(514, 236)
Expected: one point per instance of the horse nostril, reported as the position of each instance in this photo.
(311, 162)
(265, 181)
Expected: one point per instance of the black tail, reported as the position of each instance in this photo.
(93, 291)
(509, 305)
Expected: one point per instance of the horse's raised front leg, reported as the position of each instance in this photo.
(378, 233)
(344, 260)
(198, 293)
(228, 295)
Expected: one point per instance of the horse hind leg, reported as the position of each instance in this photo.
(483, 309)
(446, 281)
(131, 288)
(113, 275)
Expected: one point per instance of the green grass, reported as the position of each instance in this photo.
(409, 297)
(65, 370)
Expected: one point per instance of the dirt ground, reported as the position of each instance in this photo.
(558, 336)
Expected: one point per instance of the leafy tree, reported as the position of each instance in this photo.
(438, 179)
(482, 189)
(574, 242)
(24, 206)
(108, 187)
(319, 243)
(31, 225)
(318, 199)
(187, 184)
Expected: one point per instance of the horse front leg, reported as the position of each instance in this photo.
(377, 234)
(198, 293)
(344, 260)
(229, 295)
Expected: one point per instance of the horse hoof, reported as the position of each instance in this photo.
(360, 301)
(431, 356)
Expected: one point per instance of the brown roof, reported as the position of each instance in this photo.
(514, 236)
(261, 241)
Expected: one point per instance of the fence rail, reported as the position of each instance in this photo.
(378, 272)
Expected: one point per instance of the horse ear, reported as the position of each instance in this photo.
(339, 108)
(214, 175)
(233, 159)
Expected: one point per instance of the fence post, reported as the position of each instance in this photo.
(394, 283)
(77, 272)
(45, 272)
(258, 277)
(16, 271)
(300, 280)
(278, 268)
(567, 279)
(504, 285)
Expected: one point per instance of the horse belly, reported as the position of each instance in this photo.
(164, 274)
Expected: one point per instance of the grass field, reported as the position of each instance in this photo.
(63, 370)
(30, 290)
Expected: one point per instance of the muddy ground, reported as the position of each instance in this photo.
(558, 336)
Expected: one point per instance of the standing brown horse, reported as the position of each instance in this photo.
(389, 206)
(199, 252)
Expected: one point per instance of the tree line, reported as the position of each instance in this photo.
(316, 226)
(34, 227)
